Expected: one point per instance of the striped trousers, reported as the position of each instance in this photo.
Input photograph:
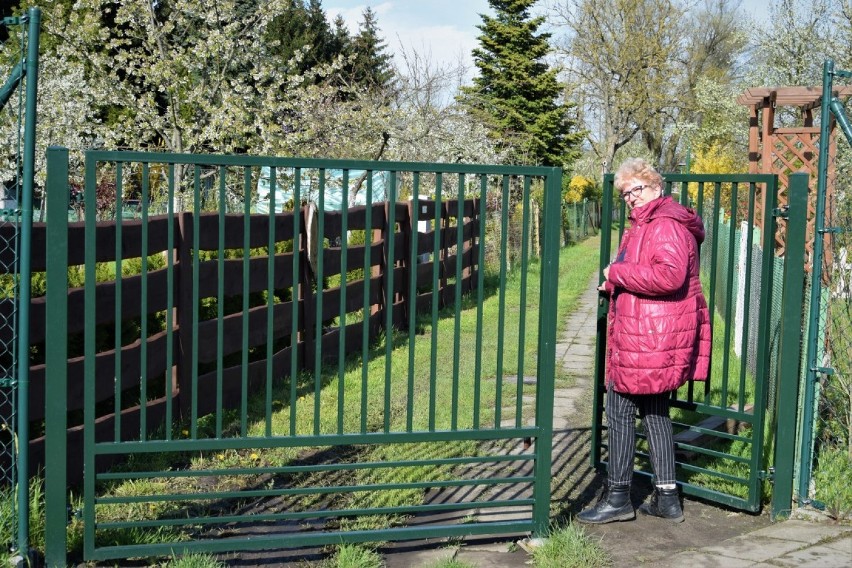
(653, 409)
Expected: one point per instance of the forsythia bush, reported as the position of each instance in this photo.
(580, 188)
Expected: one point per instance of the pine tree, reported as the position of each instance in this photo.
(304, 25)
(516, 92)
(371, 65)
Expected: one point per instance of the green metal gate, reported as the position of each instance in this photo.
(245, 381)
(725, 428)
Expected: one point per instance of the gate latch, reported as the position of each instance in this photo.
(783, 212)
(767, 475)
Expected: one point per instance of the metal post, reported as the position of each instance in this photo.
(549, 283)
(813, 328)
(790, 350)
(603, 308)
(25, 281)
(56, 368)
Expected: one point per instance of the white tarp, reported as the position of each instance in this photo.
(309, 188)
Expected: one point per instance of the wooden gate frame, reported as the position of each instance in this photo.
(789, 149)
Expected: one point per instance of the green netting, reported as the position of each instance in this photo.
(834, 349)
(581, 220)
(827, 444)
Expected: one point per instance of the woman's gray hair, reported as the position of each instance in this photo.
(637, 168)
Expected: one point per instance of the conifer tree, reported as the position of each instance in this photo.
(304, 25)
(371, 65)
(516, 92)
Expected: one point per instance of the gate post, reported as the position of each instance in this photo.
(24, 287)
(790, 349)
(601, 322)
(549, 283)
(56, 359)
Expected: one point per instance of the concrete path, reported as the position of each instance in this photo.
(711, 536)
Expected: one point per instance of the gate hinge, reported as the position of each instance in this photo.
(767, 475)
(831, 230)
(782, 212)
(824, 370)
(8, 382)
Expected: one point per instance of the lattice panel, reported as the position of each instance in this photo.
(793, 152)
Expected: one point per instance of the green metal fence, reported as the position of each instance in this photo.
(724, 427)
(581, 220)
(276, 380)
(15, 294)
(826, 411)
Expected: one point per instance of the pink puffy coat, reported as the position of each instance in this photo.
(659, 332)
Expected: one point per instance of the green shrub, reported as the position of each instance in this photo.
(832, 476)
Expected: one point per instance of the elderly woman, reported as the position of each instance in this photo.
(658, 338)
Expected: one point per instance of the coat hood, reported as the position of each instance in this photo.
(667, 207)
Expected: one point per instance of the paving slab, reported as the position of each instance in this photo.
(492, 559)
(755, 548)
(817, 556)
(844, 545)
(801, 531)
(702, 559)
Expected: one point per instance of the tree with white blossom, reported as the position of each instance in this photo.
(184, 76)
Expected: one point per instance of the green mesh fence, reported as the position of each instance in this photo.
(8, 392)
(825, 452)
(9, 291)
(830, 351)
(581, 220)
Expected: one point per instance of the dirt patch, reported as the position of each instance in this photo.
(577, 485)
(648, 539)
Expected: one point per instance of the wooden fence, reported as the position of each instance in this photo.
(146, 354)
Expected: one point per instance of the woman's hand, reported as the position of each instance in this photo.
(602, 287)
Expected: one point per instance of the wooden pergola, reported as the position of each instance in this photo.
(789, 149)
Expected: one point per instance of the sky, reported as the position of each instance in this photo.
(445, 30)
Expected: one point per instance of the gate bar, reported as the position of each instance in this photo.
(601, 321)
(56, 360)
(24, 282)
(811, 364)
(790, 350)
(549, 286)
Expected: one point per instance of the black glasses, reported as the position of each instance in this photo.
(634, 191)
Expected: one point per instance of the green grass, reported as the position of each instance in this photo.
(832, 476)
(569, 545)
(833, 464)
(8, 517)
(450, 563)
(351, 556)
(194, 561)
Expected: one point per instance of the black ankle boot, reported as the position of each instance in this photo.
(614, 505)
(665, 504)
